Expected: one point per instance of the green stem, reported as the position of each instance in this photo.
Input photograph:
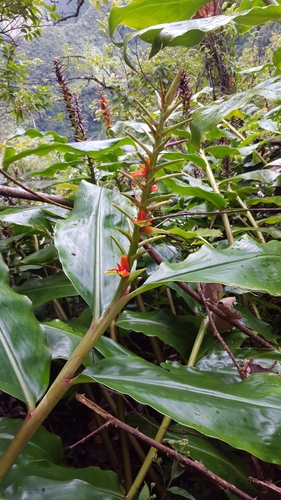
(166, 420)
(149, 459)
(121, 416)
(250, 218)
(61, 384)
(124, 445)
(63, 381)
(115, 463)
(215, 187)
(198, 341)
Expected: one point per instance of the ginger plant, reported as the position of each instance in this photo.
(143, 232)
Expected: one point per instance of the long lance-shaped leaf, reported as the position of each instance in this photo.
(25, 359)
(25, 216)
(181, 30)
(205, 119)
(245, 415)
(37, 471)
(40, 291)
(142, 13)
(94, 149)
(85, 247)
(246, 264)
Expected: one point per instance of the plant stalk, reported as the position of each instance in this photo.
(215, 187)
(61, 384)
(166, 420)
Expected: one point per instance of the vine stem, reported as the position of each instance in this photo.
(22, 194)
(61, 384)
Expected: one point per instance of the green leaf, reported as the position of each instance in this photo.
(172, 24)
(264, 176)
(25, 216)
(47, 254)
(244, 415)
(181, 492)
(44, 290)
(221, 363)
(254, 323)
(85, 247)
(226, 465)
(108, 348)
(144, 493)
(267, 199)
(42, 446)
(62, 340)
(173, 30)
(246, 264)
(180, 187)
(200, 233)
(177, 331)
(205, 119)
(142, 13)
(37, 474)
(45, 481)
(95, 149)
(53, 169)
(25, 359)
(34, 134)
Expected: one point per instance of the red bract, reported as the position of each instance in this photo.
(140, 173)
(143, 220)
(142, 215)
(122, 269)
(147, 229)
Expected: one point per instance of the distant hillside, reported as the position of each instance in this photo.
(73, 33)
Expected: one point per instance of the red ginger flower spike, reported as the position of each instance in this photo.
(122, 269)
(154, 189)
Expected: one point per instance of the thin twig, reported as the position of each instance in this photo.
(97, 431)
(218, 212)
(216, 332)
(198, 466)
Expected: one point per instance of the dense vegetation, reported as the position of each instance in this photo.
(140, 255)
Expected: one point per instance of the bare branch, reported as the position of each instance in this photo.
(8, 192)
(80, 3)
(197, 466)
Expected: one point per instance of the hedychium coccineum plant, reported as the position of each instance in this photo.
(144, 185)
